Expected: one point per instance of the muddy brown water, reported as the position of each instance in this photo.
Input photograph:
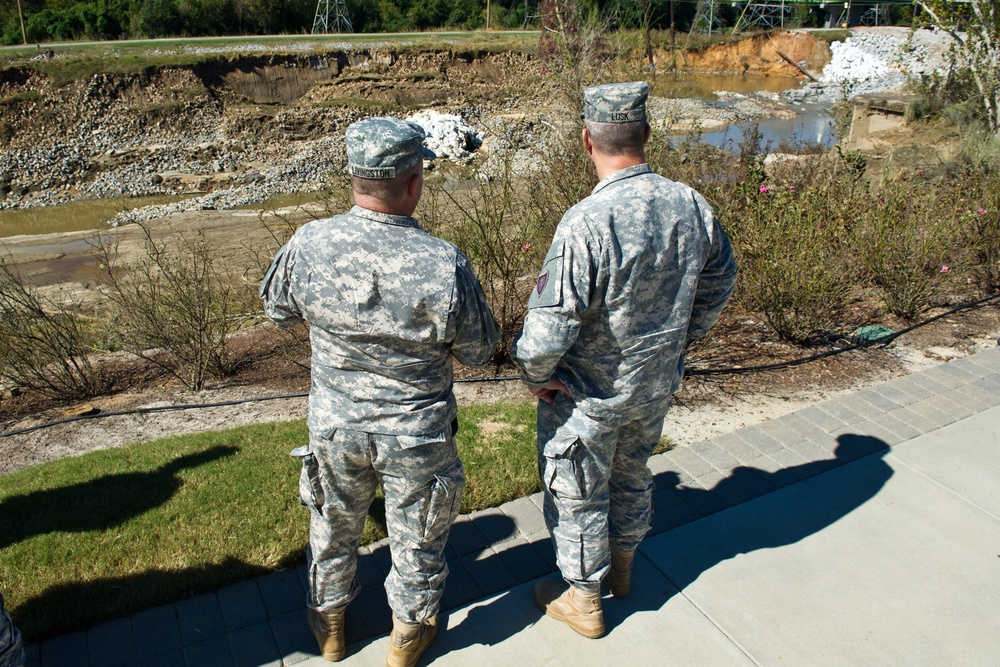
(703, 87)
(75, 216)
(812, 125)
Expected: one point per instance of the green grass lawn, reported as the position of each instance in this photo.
(112, 532)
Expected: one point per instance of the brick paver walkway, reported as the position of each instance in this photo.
(262, 622)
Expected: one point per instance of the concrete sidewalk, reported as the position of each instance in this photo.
(863, 530)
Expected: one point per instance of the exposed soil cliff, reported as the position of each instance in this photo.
(757, 56)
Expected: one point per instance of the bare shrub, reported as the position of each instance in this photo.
(690, 160)
(580, 50)
(572, 47)
(174, 305)
(43, 344)
(499, 230)
(567, 176)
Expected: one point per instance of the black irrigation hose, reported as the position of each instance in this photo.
(146, 411)
(883, 340)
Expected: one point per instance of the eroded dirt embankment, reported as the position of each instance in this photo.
(242, 121)
(757, 56)
(38, 110)
(223, 119)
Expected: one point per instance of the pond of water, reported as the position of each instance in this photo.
(813, 124)
(703, 87)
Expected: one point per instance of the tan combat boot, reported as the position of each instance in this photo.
(328, 627)
(577, 608)
(620, 575)
(408, 641)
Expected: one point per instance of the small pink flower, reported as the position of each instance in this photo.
(526, 246)
(880, 202)
(944, 268)
(791, 187)
(980, 212)
(764, 188)
(920, 171)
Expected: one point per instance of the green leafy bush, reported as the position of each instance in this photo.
(980, 234)
(907, 244)
(794, 259)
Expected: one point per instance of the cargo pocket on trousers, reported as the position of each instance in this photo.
(565, 468)
(311, 492)
(444, 501)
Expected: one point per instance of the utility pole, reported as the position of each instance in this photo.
(20, 15)
(646, 20)
(673, 35)
(487, 14)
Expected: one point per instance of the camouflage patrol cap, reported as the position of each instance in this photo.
(616, 102)
(380, 148)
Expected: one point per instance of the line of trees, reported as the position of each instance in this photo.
(58, 20)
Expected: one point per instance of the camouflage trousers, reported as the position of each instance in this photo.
(422, 479)
(598, 486)
(11, 650)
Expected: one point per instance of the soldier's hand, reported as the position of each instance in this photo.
(549, 391)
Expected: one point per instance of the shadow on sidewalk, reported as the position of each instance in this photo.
(783, 520)
(492, 623)
(63, 609)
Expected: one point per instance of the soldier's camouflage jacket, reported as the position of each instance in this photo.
(11, 648)
(636, 272)
(388, 306)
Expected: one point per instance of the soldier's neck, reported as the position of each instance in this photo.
(609, 164)
(404, 208)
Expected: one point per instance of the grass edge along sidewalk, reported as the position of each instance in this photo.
(112, 532)
(496, 549)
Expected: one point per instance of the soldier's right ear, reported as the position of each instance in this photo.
(415, 185)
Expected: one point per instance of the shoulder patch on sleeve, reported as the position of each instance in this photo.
(543, 280)
(548, 287)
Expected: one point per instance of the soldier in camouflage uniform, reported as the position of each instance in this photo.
(637, 271)
(388, 306)
(11, 650)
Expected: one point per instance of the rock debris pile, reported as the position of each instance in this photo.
(448, 135)
(876, 61)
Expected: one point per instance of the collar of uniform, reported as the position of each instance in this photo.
(627, 172)
(385, 218)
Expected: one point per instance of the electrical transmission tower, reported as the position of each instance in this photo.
(706, 17)
(331, 16)
(767, 14)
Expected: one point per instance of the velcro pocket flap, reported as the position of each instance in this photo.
(562, 472)
(411, 441)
